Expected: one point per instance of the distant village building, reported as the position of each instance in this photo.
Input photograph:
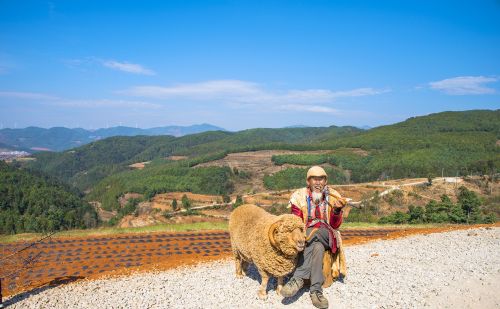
(11, 155)
(453, 179)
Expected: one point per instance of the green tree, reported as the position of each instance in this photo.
(238, 202)
(397, 217)
(186, 203)
(174, 204)
(470, 203)
(417, 214)
(457, 214)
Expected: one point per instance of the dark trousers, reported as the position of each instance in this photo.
(310, 264)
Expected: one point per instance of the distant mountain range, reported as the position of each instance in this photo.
(35, 139)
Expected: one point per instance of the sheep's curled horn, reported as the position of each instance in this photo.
(271, 231)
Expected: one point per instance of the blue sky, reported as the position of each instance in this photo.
(244, 64)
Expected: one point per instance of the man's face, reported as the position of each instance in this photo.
(316, 184)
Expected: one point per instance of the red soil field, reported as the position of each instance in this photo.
(62, 260)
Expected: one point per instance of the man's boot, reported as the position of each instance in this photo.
(292, 287)
(318, 300)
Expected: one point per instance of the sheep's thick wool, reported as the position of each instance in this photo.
(249, 226)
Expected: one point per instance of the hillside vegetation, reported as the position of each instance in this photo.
(448, 143)
(154, 180)
(85, 166)
(31, 202)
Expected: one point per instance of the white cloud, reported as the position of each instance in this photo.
(199, 91)
(85, 103)
(27, 95)
(309, 108)
(75, 63)
(106, 103)
(464, 85)
(236, 91)
(127, 67)
(324, 95)
(86, 62)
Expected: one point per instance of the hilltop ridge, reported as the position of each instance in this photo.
(61, 138)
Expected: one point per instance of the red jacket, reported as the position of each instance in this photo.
(298, 204)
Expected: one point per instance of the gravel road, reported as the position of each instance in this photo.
(459, 269)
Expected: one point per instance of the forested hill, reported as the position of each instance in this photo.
(84, 166)
(284, 138)
(31, 202)
(449, 142)
(95, 160)
(418, 132)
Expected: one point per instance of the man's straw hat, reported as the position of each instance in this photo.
(317, 171)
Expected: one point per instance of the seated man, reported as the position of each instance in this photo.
(320, 208)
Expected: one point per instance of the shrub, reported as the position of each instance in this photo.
(238, 202)
(470, 203)
(416, 214)
(397, 217)
(226, 198)
(490, 218)
(186, 203)
(361, 215)
(167, 214)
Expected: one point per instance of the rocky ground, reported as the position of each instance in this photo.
(459, 269)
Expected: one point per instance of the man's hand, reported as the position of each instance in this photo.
(339, 204)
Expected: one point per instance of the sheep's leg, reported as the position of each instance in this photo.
(330, 269)
(262, 293)
(280, 286)
(238, 263)
(239, 272)
(343, 267)
(244, 267)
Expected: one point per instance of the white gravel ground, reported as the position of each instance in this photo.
(459, 269)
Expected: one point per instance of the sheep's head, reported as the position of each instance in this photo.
(287, 235)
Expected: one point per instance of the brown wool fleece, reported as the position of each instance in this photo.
(249, 226)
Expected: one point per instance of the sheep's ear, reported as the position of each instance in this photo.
(272, 230)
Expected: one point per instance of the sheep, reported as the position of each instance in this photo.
(270, 242)
(334, 266)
